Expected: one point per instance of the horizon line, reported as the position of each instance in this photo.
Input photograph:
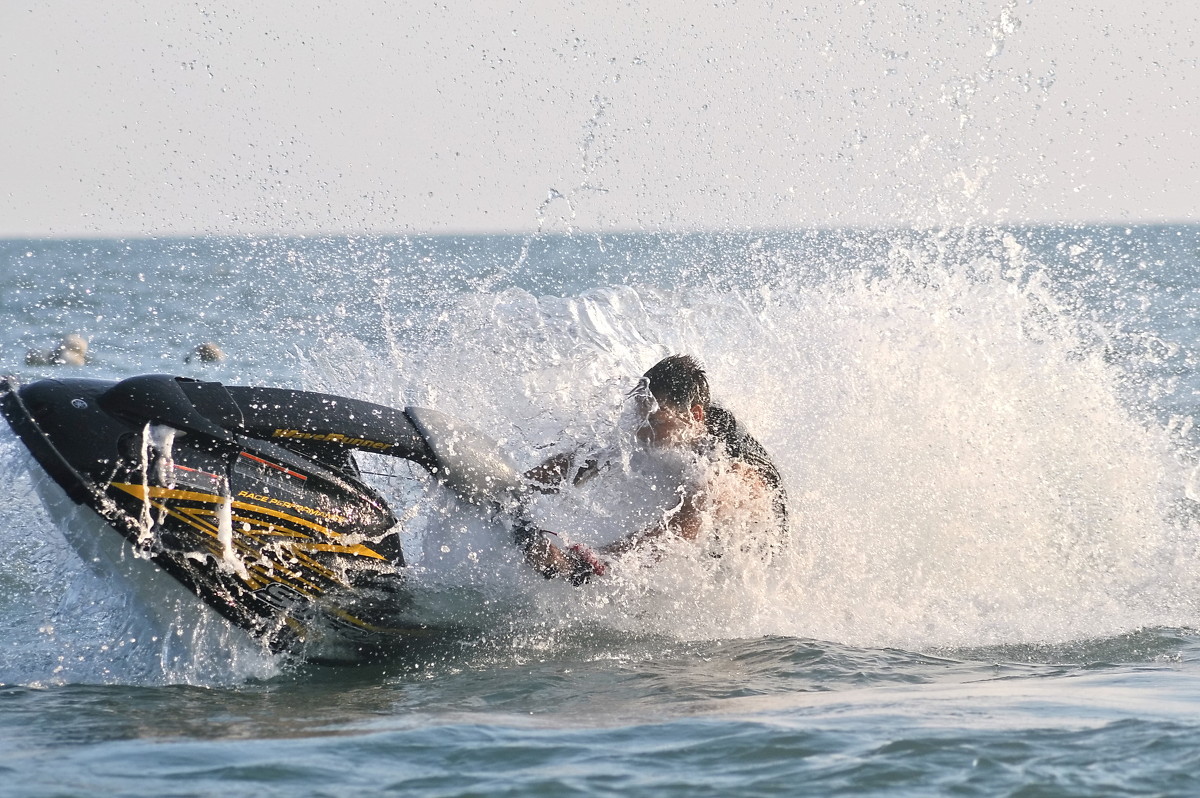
(587, 232)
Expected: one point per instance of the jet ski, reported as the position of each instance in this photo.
(250, 497)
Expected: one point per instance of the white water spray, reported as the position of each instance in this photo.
(962, 467)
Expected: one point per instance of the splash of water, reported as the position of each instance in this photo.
(964, 466)
(968, 461)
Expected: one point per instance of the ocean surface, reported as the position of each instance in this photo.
(988, 439)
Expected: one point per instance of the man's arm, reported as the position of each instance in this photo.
(685, 519)
(682, 521)
(578, 563)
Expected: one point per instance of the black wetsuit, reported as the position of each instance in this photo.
(741, 446)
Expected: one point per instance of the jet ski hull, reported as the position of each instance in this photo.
(284, 542)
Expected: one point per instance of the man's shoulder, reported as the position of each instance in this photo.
(738, 443)
(743, 448)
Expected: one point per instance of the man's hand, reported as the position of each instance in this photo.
(585, 564)
(578, 563)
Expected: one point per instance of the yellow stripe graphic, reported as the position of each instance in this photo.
(139, 492)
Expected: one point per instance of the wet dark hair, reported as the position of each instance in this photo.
(679, 382)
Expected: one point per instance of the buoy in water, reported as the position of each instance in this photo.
(207, 352)
(72, 351)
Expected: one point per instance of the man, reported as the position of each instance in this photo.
(679, 414)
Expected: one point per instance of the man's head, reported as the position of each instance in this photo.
(680, 389)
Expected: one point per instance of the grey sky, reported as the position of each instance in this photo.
(128, 117)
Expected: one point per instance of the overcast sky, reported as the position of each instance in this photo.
(152, 117)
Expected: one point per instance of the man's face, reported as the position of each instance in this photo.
(671, 426)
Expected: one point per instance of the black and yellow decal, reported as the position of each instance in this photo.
(272, 545)
(284, 504)
(331, 437)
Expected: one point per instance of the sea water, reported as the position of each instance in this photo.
(987, 437)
